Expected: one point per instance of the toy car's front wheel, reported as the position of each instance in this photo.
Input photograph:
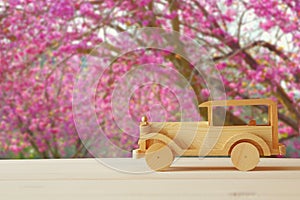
(159, 156)
(245, 156)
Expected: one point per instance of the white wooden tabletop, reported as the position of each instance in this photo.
(189, 178)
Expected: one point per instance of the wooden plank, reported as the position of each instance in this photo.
(192, 178)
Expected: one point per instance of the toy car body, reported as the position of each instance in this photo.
(160, 142)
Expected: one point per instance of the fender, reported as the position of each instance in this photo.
(165, 139)
(260, 144)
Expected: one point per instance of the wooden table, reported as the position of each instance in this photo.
(190, 178)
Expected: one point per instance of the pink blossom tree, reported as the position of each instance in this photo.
(44, 44)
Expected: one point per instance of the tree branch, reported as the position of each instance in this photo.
(267, 45)
(240, 25)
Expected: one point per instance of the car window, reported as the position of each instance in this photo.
(241, 115)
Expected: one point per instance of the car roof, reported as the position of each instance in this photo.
(238, 102)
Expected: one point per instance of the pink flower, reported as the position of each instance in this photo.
(15, 149)
(145, 22)
(229, 2)
(297, 144)
(86, 8)
(267, 25)
(205, 93)
(221, 66)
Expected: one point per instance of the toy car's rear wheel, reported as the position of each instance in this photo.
(245, 156)
(159, 156)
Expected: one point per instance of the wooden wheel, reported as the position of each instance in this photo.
(245, 156)
(159, 156)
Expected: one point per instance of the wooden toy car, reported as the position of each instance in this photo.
(160, 142)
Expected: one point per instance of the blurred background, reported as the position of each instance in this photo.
(44, 44)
